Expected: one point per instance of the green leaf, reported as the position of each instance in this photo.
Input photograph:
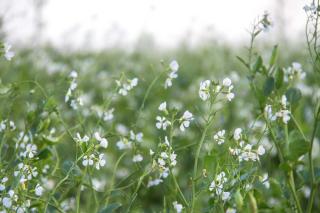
(268, 86)
(297, 146)
(69, 165)
(293, 95)
(44, 154)
(239, 199)
(243, 62)
(4, 89)
(50, 105)
(258, 64)
(50, 140)
(110, 208)
(274, 56)
(279, 78)
(285, 166)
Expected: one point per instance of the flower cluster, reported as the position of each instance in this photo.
(8, 54)
(126, 85)
(163, 161)
(219, 137)
(208, 89)
(126, 142)
(243, 150)
(294, 72)
(5, 124)
(217, 187)
(283, 113)
(174, 67)
(70, 96)
(92, 156)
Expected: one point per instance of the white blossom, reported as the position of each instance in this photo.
(219, 137)
(177, 206)
(185, 120)
(162, 123)
(38, 190)
(7, 53)
(137, 158)
(204, 91)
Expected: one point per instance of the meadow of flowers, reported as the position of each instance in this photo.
(216, 129)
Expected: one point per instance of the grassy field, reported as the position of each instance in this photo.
(214, 128)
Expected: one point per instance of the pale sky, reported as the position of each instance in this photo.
(106, 23)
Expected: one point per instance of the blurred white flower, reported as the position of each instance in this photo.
(101, 161)
(185, 120)
(137, 158)
(136, 137)
(237, 133)
(163, 106)
(162, 123)
(204, 91)
(174, 66)
(38, 190)
(219, 137)
(7, 53)
(177, 206)
(261, 150)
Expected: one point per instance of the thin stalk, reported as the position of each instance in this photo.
(311, 167)
(195, 168)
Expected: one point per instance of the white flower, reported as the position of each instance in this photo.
(79, 139)
(136, 137)
(31, 150)
(231, 210)
(123, 92)
(177, 206)
(6, 201)
(174, 66)
(154, 182)
(162, 122)
(185, 120)
(284, 101)
(7, 53)
(2, 184)
(261, 150)
(312, 8)
(163, 106)
(103, 141)
(237, 133)
(38, 190)
(204, 91)
(230, 96)
(101, 161)
(227, 82)
(265, 180)
(219, 137)
(268, 112)
(151, 152)
(225, 196)
(164, 155)
(137, 158)
(73, 74)
(173, 160)
(134, 82)
(88, 160)
(124, 144)
(108, 115)
(161, 162)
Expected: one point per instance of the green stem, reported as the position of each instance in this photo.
(311, 167)
(195, 168)
(291, 178)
